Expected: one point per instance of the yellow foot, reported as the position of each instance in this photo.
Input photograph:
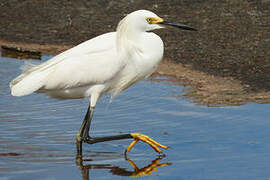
(137, 137)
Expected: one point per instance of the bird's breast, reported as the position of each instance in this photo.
(141, 62)
(149, 55)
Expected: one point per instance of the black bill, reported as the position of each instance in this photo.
(178, 25)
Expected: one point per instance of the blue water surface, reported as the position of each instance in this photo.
(37, 135)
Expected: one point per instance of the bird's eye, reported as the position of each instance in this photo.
(149, 20)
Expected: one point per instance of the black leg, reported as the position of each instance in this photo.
(83, 136)
(84, 123)
(107, 138)
(88, 117)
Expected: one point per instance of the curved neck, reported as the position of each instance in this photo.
(127, 35)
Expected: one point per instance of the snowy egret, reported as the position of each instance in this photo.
(109, 63)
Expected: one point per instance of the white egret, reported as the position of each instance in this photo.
(109, 63)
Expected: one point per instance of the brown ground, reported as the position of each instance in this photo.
(226, 62)
(210, 90)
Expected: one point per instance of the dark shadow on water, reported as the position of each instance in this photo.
(10, 154)
(20, 54)
(148, 169)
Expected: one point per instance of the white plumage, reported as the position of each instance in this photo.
(108, 63)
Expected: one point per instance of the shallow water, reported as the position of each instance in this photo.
(37, 135)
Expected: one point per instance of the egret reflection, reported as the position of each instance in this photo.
(116, 170)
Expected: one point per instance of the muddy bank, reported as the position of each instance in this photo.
(210, 90)
(232, 44)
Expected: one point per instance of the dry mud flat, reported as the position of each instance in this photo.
(226, 62)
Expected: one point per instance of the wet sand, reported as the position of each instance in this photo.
(225, 63)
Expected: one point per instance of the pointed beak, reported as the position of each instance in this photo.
(178, 25)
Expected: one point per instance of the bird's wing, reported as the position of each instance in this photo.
(85, 70)
(91, 58)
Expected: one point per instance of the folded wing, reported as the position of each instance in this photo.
(92, 62)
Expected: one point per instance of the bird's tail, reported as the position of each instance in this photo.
(28, 82)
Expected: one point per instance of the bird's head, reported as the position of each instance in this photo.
(145, 20)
